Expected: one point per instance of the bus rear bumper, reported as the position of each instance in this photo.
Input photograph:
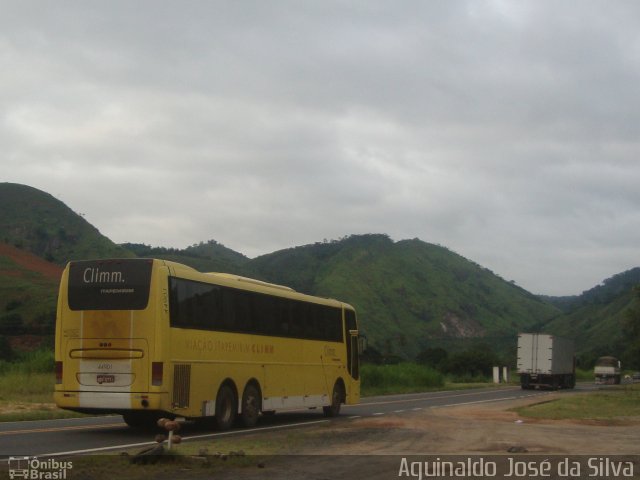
(110, 401)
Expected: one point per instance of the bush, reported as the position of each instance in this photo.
(468, 378)
(433, 357)
(584, 375)
(399, 378)
(37, 361)
(12, 305)
(476, 362)
(11, 324)
(6, 352)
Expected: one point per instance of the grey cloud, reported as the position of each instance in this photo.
(506, 131)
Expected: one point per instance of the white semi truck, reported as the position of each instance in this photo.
(546, 361)
(607, 370)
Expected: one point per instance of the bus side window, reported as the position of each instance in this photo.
(181, 308)
(335, 325)
(207, 306)
(193, 304)
(296, 328)
(244, 312)
(265, 319)
(228, 318)
(283, 318)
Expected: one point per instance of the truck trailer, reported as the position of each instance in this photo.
(546, 361)
(607, 370)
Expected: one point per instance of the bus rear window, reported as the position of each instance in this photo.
(109, 284)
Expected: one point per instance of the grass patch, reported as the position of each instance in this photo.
(17, 386)
(602, 405)
(400, 378)
(28, 396)
(26, 388)
(28, 379)
(38, 413)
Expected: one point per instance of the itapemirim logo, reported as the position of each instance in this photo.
(33, 468)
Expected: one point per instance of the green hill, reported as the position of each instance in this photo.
(28, 292)
(39, 223)
(596, 318)
(410, 295)
(39, 234)
(205, 257)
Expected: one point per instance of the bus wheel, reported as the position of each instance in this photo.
(333, 410)
(225, 408)
(250, 406)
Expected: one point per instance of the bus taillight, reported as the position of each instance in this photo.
(58, 369)
(156, 373)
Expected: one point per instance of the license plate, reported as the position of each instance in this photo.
(102, 378)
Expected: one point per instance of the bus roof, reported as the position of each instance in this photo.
(251, 280)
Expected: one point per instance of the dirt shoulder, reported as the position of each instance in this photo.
(373, 447)
(488, 428)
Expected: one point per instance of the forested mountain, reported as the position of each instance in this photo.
(597, 319)
(410, 295)
(41, 224)
(208, 256)
(38, 235)
(28, 292)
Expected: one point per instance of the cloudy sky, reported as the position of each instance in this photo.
(507, 131)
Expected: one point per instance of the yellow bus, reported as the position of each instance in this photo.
(147, 338)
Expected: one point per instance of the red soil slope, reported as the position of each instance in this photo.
(31, 262)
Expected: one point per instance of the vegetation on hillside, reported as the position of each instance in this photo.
(208, 256)
(409, 294)
(34, 222)
(39, 223)
(412, 297)
(28, 293)
(631, 332)
(599, 321)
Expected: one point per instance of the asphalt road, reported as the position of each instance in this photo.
(99, 434)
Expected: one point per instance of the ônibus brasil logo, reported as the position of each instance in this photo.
(35, 469)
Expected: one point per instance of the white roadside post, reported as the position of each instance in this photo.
(496, 374)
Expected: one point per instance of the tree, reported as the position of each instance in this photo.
(476, 361)
(11, 324)
(631, 330)
(432, 357)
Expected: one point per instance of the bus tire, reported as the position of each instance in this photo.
(226, 408)
(250, 406)
(333, 410)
